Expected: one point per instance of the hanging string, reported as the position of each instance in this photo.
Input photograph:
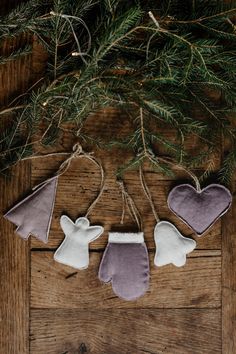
(181, 167)
(121, 185)
(148, 194)
(166, 160)
(78, 153)
(102, 185)
(77, 150)
(128, 202)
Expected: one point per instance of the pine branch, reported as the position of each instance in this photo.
(227, 170)
(111, 54)
(16, 55)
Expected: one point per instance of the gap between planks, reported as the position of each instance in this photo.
(196, 285)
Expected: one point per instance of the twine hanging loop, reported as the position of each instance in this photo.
(77, 152)
(148, 194)
(127, 201)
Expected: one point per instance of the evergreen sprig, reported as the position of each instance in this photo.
(113, 54)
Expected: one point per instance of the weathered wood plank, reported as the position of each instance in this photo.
(79, 185)
(15, 75)
(150, 331)
(196, 285)
(229, 281)
(15, 78)
(15, 277)
(14, 253)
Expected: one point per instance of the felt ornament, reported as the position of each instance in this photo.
(171, 246)
(74, 250)
(125, 262)
(125, 265)
(33, 214)
(199, 208)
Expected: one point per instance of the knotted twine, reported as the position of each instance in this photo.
(77, 152)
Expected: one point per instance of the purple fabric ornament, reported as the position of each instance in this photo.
(34, 213)
(125, 264)
(199, 209)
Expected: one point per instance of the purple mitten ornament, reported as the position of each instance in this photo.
(199, 209)
(33, 214)
(125, 264)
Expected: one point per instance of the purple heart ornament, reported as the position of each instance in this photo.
(199, 210)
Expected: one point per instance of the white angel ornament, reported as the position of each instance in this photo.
(74, 250)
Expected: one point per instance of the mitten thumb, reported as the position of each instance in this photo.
(104, 273)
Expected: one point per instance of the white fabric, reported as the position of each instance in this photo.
(171, 246)
(127, 237)
(74, 250)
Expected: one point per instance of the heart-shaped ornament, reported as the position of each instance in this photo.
(199, 210)
(171, 245)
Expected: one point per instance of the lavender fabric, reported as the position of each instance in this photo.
(125, 264)
(33, 214)
(199, 210)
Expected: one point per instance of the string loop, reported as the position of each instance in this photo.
(148, 194)
(181, 167)
(127, 201)
(79, 153)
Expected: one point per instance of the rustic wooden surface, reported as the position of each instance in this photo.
(15, 266)
(48, 308)
(14, 254)
(196, 285)
(229, 281)
(130, 331)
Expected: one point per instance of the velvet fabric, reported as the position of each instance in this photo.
(126, 266)
(199, 210)
(33, 214)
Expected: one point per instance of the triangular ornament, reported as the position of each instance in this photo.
(33, 214)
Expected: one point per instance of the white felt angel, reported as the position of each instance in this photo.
(74, 250)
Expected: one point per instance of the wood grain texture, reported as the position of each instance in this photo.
(14, 253)
(196, 285)
(14, 276)
(229, 281)
(15, 78)
(129, 331)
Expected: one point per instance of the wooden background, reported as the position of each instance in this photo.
(48, 308)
